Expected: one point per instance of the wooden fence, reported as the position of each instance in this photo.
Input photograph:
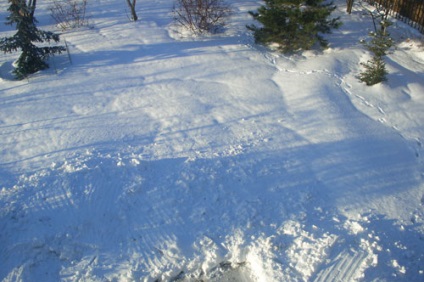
(408, 11)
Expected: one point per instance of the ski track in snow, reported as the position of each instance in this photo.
(168, 162)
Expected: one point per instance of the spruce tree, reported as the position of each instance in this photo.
(375, 69)
(32, 58)
(294, 24)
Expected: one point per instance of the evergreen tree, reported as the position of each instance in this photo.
(32, 58)
(375, 69)
(294, 24)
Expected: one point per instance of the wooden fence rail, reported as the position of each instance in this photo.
(408, 11)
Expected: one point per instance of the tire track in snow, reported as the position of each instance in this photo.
(345, 266)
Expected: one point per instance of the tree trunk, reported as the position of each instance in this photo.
(31, 6)
(131, 4)
(349, 6)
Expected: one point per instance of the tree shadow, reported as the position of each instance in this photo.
(102, 212)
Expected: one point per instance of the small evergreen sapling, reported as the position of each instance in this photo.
(32, 58)
(294, 24)
(375, 69)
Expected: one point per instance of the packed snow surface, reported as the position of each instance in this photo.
(152, 155)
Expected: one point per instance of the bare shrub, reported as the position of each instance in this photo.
(201, 16)
(69, 14)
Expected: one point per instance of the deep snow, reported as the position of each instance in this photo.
(156, 155)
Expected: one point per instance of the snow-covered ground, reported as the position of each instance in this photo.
(161, 157)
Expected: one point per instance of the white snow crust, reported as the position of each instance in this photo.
(159, 156)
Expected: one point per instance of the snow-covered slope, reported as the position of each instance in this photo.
(157, 156)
